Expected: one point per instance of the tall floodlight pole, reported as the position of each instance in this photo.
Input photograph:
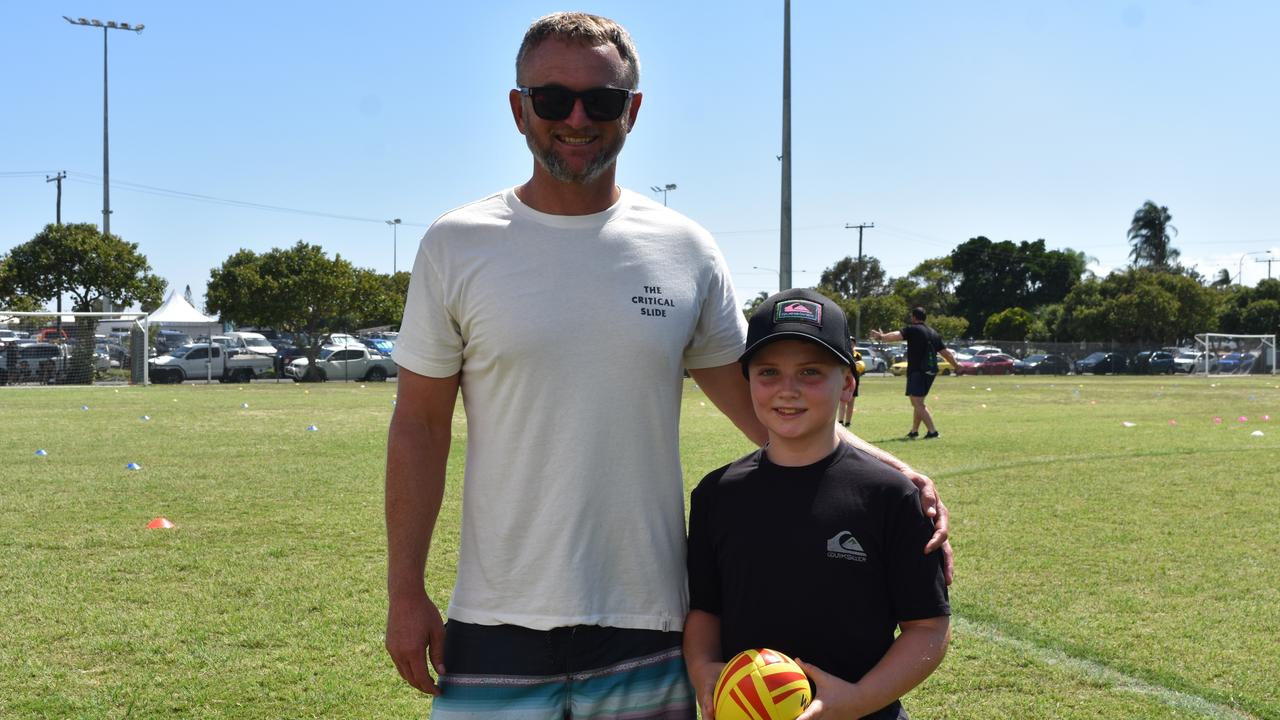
(664, 189)
(857, 323)
(784, 261)
(106, 144)
(395, 228)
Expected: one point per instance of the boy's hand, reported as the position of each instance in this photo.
(832, 696)
(705, 688)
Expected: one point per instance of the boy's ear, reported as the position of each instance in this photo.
(846, 390)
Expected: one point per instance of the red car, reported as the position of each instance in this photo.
(998, 364)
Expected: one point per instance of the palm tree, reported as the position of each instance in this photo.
(1149, 234)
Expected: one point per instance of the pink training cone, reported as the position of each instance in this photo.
(160, 524)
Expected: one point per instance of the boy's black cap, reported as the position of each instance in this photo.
(799, 314)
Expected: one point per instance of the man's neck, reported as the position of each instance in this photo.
(548, 195)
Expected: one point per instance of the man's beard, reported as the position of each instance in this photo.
(558, 169)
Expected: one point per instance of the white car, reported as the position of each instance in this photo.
(251, 342)
(345, 362)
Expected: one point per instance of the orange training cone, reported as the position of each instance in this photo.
(160, 524)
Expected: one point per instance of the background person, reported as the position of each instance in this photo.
(923, 346)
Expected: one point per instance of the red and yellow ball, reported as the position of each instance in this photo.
(761, 685)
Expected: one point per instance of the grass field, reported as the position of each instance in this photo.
(1103, 571)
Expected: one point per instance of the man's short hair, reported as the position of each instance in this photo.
(918, 313)
(586, 30)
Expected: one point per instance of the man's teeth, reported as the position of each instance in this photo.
(575, 140)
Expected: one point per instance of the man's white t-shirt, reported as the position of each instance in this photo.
(571, 334)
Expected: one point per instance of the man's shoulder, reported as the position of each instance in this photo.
(473, 213)
(645, 210)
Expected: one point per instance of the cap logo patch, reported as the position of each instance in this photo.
(798, 311)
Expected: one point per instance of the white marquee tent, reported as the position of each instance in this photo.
(178, 314)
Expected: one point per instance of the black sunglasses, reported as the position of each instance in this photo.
(552, 102)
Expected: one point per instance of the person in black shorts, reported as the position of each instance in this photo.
(809, 546)
(923, 345)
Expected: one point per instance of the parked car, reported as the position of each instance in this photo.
(875, 360)
(1101, 363)
(972, 351)
(1042, 365)
(1236, 362)
(900, 368)
(8, 336)
(381, 345)
(167, 340)
(345, 362)
(340, 339)
(196, 361)
(34, 362)
(996, 364)
(286, 354)
(251, 342)
(1152, 362)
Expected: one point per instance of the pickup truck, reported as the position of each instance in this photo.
(192, 362)
(345, 362)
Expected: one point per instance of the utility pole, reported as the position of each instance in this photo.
(58, 179)
(784, 240)
(58, 218)
(1268, 261)
(857, 327)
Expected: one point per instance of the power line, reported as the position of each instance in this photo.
(212, 199)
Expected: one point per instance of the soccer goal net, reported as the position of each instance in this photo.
(41, 348)
(1222, 354)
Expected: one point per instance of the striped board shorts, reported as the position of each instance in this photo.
(507, 672)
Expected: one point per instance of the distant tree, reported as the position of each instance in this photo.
(299, 289)
(749, 307)
(186, 295)
(1010, 324)
(1223, 280)
(1149, 233)
(931, 284)
(1140, 306)
(79, 261)
(842, 278)
(1248, 310)
(994, 276)
(949, 326)
(883, 312)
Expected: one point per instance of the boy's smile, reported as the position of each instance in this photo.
(796, 386)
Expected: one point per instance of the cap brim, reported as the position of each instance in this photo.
(789, 335)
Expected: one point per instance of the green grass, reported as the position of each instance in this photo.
(1103, 571)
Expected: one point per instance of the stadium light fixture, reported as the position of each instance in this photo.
(395, 227)
(106, 144)
(664, 189)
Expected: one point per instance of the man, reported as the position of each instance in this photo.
(923, 345)
(550, 297)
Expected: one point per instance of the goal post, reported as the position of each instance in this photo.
(1222, 354)
(72, 348)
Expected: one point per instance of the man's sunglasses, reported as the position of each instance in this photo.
(551, 102)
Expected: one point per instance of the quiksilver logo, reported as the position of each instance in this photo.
(845, 546)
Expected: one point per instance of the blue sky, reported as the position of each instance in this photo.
(936, 121)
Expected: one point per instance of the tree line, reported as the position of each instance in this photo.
(997, 290)
(1026, 291)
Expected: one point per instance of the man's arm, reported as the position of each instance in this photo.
(417, 452)
(895, 336)
(949, 356)
(728, 390)
(702, 656)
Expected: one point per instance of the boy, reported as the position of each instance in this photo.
(810, 546)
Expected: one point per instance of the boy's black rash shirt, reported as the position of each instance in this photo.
(820, 562)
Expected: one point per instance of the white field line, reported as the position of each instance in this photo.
(1096, 671)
